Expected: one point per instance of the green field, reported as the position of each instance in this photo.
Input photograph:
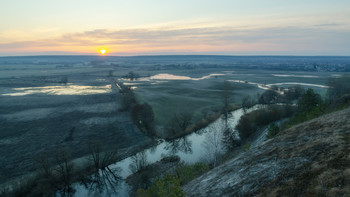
(201, 97)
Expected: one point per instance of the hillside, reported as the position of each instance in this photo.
(309, 159)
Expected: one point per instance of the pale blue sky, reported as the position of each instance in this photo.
(163, 27)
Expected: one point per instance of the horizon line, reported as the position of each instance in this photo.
(157, 55)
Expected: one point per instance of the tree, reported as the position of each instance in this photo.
(64, 171)
(104, 178)
(179, 144)
(272, 131)
(229, 139)
(99, 159)
(247, 102)
(269, 96)
(338, 86)
(64, 80)
(128, 99)
(294, 93)
(212, 144)
(179, 123)
(245, 127)
(132, 76)
(309, 100)
(138, 162)
(143, 117)
(226, 97)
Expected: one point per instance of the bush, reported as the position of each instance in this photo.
(246, 147)
(251, 122)
(186, 173)
(268, 97)
(170, 184)
(273, 130)
(310, 106)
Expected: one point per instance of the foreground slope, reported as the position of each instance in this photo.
(309, 159)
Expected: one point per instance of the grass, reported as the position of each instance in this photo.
(197, 97)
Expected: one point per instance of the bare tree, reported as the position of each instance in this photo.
(247, 102)
(180, 144)
(226, 98)
(213, 145)
(229, 139)
(64, 171)
(44, 164)
(139, 162)
(179, 123)
(104, 179)
(100, 159)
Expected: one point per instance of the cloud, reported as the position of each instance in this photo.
(329, 25)
(210, 38)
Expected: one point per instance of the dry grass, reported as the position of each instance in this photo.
(309, 159)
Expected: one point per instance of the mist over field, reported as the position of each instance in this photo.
(69, 108)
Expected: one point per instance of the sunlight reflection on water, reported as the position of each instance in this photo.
(166, 76)
(60, 90)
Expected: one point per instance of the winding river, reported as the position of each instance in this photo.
(191, 149)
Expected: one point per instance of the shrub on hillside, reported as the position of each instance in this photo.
(273, 130)
(250, 122)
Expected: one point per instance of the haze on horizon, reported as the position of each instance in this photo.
(136, 27)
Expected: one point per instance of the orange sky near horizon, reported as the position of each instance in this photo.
(225, 27)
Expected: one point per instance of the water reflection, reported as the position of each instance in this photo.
(166, 76)
(66, 191)
(179, 145)
(104, 182)
(302, 76)
(190, 149)
(60, 90)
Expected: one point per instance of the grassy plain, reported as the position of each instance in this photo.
(39, 120)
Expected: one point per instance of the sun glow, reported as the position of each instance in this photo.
(102, 51)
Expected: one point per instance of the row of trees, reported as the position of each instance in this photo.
(251, 122)
(132, 76)
(141, 114)
(178, 124)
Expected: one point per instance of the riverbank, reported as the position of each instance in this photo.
(143, 178)
(82, 167)
(204, 122)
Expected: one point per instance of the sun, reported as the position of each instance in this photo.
(102, 51)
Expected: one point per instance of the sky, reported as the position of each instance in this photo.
(168, 27)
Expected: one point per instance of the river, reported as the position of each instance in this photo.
(191, 149)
